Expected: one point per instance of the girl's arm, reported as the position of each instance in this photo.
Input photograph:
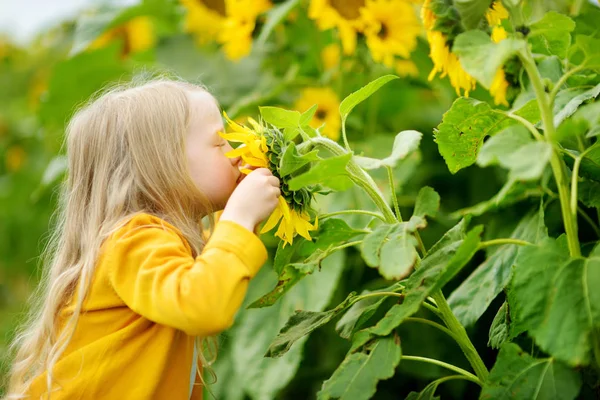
(151, 269)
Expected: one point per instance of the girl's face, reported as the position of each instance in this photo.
(213, 173)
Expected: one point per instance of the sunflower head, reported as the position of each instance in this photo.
(263, 146)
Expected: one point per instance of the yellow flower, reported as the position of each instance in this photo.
(499, 87)
(253, 150)
(405, 68)
(136, 34)
(447, 63)
(427, 15)
(330, 56)
(236, 32)
(204, 19)
(498, 34)
(391, 28)
(292, 223)
(343, 15)
(496, 13)
(15, 158)
(328, 104)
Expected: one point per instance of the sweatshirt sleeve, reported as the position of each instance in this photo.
(154, 273)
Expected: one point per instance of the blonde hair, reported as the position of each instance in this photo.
(126, 155)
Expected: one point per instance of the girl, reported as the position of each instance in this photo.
(129, 281)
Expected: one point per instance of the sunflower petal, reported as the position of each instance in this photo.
(272, 221)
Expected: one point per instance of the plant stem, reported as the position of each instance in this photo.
(377, 294)
(576, 8)
(432, 308)
(393, 190)
(562, 81)
(343, 246)
(346, 144)
(536, 134)
(589, 220)
(575, 181)
(434, 324)
(451, 367)
(558, 167)
(497, 242)
(463, 339)
(363, 212)
(439, 381)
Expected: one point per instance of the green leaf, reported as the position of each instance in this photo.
(585, 52)
(499, 328)
(331, 231)
(471, 11)
(546, 288)
(405, 143)
(330, 172)
(590, 164)
(463, 128)
(274, 17)
(436, 269)
(302, 323)
(589, 193)
(362, 94)
(517, 375)
(307, 115)
(279, 117)
(291, 161)
(551, 35)
(427, 203)
(474, 295)
(357, 376)
(290, 275)
(362, 310)
(574, 103)
(481, 57)
(499, 148)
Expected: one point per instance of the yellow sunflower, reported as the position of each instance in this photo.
(444, 61)
(254, 151)
(330, 56)
(495, 15)
(391, 28)
(343, 15)
(136, 34)
(236, 32)
(328, 104)
(204, 19)
(15, 158)
(406, 68)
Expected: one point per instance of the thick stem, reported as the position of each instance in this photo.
(451, 367)
(463, 339)
(558, 167)
(433, 324)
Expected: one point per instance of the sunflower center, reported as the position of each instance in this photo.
(321, 114)
(349, 9)
(217, 6)
(383, 32)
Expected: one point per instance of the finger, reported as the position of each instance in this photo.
(262, 171)
(277, 192)
(273, 180)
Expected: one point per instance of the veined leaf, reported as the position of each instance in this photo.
(355, 98)
(291, 161)
(551, 35)
(307, 115)
(303, 323)
(471, 11)
(427, 203)
(474, 295)
(500, 147)
(357, 376)
(516, 375)
(547, 286)
(330, 172)
(585, 52)
(574, 103)
(499, 329)
(405, 143)
(481, 57)
(280, 117)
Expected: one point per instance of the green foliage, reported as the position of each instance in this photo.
(551, 35)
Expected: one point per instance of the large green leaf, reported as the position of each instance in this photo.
(570, 108)
(518, 376)
(357, 376)
(245, 344)
(405, 143)
(355, 98)
(481, 57)
(280, 117)
(499, 148)
(551, 35)
(585, 52)
(302, 323)
(474, 295)
(440, 264)
(463, 128)
(471, 11)
(555, 298)
(291, 161)
(499, 328)
(330, 172)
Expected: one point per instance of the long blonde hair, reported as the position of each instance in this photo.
(126, 155)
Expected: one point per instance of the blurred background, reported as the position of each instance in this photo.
(291, 54)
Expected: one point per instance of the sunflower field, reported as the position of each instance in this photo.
(437, 234)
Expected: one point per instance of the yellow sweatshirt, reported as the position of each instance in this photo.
(148, 299)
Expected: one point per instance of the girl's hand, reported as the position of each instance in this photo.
(253, 200)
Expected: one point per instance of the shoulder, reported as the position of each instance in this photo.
(146, 226)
